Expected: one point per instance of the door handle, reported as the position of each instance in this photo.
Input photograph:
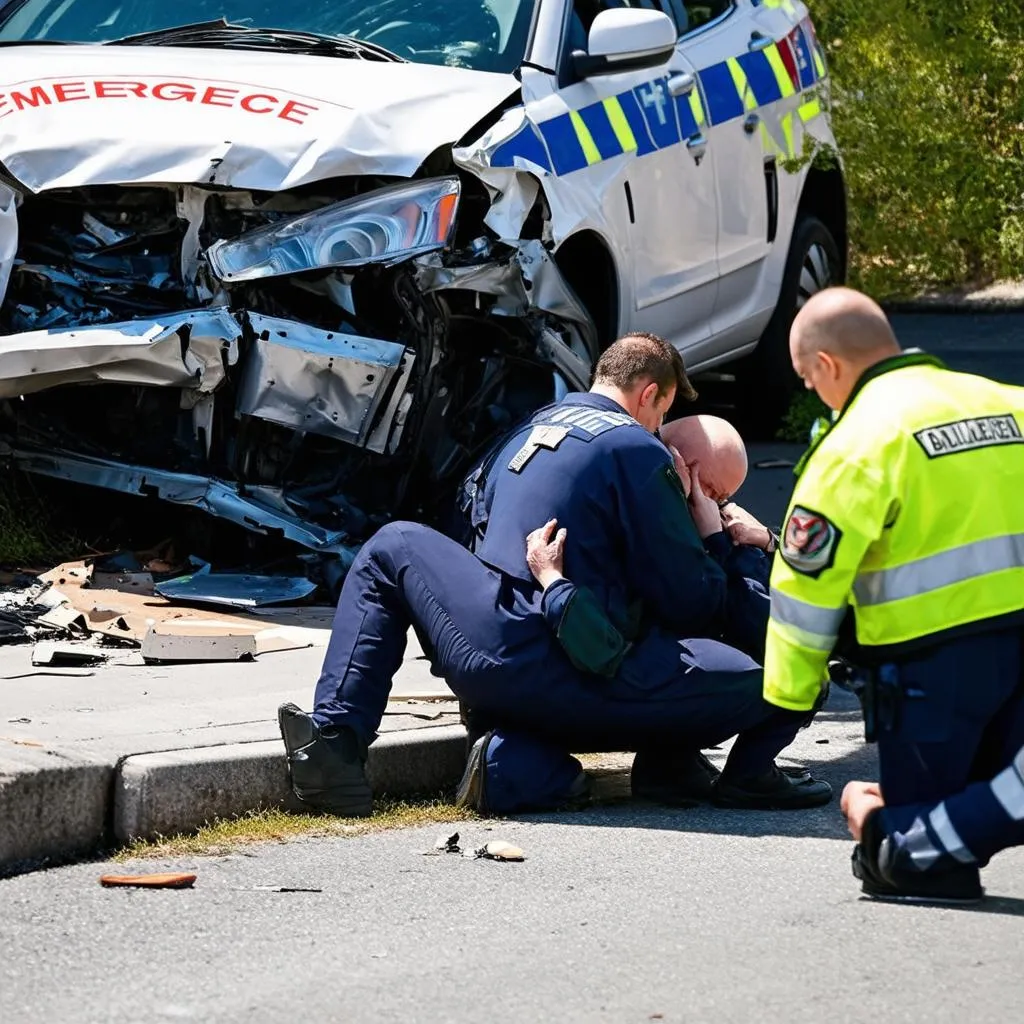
(750, 123)
(759, 42)
(682, 83)
(697, 145)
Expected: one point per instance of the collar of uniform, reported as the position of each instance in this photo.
(592, 401)
(909, 357)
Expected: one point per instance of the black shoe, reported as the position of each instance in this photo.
(776, 790)
(472, 788)
(881, 879)
(684, 780)
(327, 765)
(471, 791)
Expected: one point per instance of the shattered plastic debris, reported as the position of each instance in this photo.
(496, 849)
(50, 653)
(444, 844)
(236, 590)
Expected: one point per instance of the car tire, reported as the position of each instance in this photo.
(765, 380)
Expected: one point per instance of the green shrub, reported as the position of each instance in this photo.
(929, 117)
(805, 408)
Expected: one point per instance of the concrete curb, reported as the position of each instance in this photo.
(51, 805)
(54, 808)
(180, 790)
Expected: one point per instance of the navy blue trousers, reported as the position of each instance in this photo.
(948, 777)
(485, 635)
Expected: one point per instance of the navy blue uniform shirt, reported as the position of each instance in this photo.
(612, 485)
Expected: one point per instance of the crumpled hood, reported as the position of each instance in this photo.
(90, 115)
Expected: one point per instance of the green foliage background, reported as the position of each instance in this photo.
(929, 116)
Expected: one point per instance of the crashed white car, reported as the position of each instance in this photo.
(298, 264)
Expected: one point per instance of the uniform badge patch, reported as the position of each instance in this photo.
(810, 541)
(542, 436)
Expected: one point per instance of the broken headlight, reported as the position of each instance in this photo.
(393, 223)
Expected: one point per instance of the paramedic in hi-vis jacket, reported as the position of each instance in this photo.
(908, 520)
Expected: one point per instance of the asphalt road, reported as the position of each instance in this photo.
(990, 344)
(625, 913)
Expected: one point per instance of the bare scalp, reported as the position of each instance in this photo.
(844, 323)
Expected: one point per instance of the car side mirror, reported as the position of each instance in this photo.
(626, 39)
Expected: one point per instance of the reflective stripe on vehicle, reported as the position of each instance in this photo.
(649, 118)
(982, 558)
(816, 627)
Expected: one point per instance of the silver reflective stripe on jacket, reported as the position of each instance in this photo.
(817, 627)
(981, 558)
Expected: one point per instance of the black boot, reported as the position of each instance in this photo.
(681, 779)
(778, 789)
(874, 863)
(472, 789)
(327, 765)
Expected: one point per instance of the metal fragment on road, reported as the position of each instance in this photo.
(236, 590)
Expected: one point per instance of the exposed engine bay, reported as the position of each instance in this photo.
(306, 363)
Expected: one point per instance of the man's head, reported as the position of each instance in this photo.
(643, 373)
(715, 444)
(838, 335)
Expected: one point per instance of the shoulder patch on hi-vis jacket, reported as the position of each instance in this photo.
(966, 435)
(809, 542)
(543, 436)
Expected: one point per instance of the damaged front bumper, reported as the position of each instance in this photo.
(306, 383)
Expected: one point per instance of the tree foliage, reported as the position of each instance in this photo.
(929, 116)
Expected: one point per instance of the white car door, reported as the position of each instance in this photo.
(620, 164)
(753, 69)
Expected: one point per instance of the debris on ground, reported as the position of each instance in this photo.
(166, 880)
(496, 849)
(83, 612)
(273, 888)
(51, 653)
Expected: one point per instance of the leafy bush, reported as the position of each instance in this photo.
(805, 408)
(929, 116)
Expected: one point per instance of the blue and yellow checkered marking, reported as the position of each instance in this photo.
(649, 118)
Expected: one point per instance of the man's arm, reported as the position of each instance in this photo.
(586, 634)
(837, 512)
(668, 565)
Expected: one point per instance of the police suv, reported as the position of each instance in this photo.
(298, 264)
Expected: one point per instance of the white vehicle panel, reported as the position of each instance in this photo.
(240, 119)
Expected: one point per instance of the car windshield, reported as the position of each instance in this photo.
(487, 35)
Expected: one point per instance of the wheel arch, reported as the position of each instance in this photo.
(824, 197)
(588, 267)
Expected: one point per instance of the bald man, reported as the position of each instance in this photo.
(907, 519)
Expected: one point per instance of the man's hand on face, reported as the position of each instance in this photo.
(743, 528)
(682, 469)
(545, 553)
(706, 515)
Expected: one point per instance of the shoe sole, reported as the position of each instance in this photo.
(924, 901)
(769, 804)
(466, 795)
(355, 801)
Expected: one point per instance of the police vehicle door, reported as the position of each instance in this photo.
(737, 79)
(621, 168)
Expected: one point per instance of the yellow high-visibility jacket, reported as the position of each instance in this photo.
(910, 511)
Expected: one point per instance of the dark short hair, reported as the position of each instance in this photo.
(641, 356)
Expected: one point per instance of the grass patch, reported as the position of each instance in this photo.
(609, 774)
(273, 825)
